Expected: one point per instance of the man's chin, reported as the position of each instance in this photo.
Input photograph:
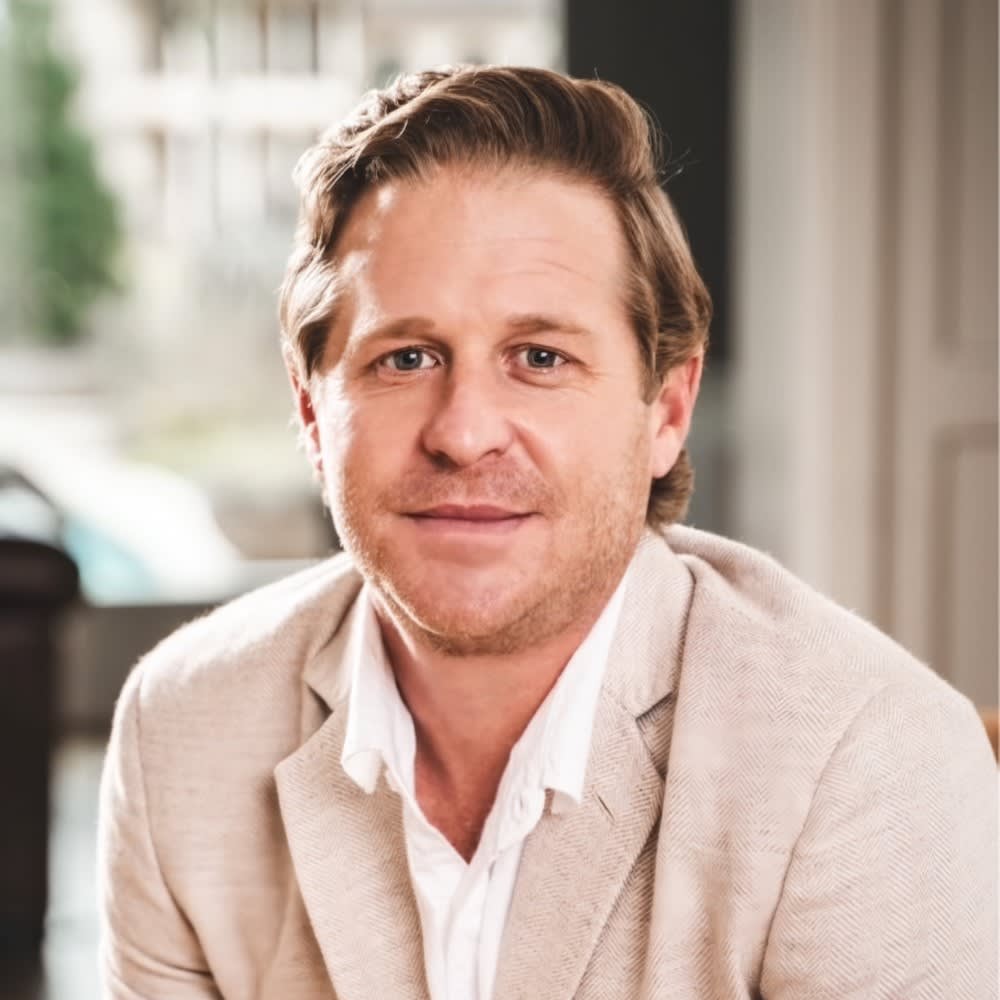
(471, 638)
(465, 619)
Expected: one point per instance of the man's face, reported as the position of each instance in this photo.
(477, 417)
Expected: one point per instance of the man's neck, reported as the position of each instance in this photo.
(468, 712)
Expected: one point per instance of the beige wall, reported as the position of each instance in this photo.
(866, 313)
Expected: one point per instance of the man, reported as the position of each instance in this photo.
(528, 737)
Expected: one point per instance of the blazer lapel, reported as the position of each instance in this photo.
(350, 859)
(575, 863)
(348, 851)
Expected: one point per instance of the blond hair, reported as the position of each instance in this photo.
(584, 130)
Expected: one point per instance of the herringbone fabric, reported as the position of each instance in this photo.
(780, 803)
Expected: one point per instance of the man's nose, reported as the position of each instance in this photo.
(468, 420)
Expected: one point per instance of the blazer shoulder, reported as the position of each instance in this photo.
(792, 634)
(776, 682)
(272, 630)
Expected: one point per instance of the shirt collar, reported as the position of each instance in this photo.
(553, 751)
(379, 728)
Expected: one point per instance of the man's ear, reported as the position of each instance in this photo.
(671, 412)
(306, 412)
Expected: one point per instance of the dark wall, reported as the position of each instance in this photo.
(674, 57)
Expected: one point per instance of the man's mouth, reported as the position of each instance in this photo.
(471, 512)
(477, 518)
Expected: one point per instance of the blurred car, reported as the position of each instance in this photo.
(139, 534)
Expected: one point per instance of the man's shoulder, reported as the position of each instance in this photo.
(777, 683)
(771, 629)
(256, 640)
(205, 717)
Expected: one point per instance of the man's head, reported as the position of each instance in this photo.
(491, 304)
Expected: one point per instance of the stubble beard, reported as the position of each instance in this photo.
(573, 579)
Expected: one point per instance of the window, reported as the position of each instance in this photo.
(283, 152)
(239, 38)
(292, 37)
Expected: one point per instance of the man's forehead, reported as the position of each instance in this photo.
(460, 247)
(462, 204)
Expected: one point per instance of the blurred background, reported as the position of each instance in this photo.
(835, 162)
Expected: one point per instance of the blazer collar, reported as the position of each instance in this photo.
(646, 653)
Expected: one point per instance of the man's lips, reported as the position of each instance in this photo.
(471, 512)
(453, 523)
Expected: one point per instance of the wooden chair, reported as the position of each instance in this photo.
(991, 720)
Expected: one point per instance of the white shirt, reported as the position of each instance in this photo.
(463, 906)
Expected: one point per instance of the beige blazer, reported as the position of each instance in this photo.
(780, 803)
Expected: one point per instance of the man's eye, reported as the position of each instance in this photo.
(541, 357)
(409, 359)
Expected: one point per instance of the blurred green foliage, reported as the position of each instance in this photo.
(64, 220)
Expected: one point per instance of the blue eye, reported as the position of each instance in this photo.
(540, 357)
(410, 359)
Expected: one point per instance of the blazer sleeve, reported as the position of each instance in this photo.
(148, 948)
(891, 890)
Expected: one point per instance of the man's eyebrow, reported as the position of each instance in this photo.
(531, 323)
(404, 328)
